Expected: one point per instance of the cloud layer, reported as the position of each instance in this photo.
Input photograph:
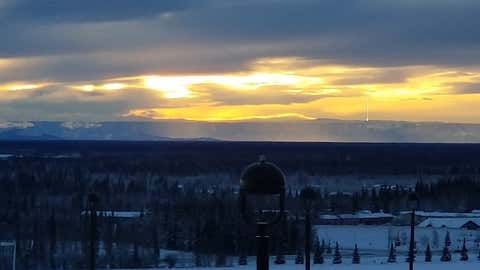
(252, 59)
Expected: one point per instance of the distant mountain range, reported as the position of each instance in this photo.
(289, 130)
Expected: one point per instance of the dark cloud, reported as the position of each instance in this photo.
(466, 88)
(59, 103)
(91, 40)
(214, 35)
(370, 77)
(264, 95)
(58, 11)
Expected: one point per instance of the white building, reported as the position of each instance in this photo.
(451, 223)
(361, 217)
(119, 214)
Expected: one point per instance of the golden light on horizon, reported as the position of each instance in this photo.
(20, 86)
(86, 87)
(279, 88)
(113, 86)
(106, 87)
(179, 86)
(171, 87)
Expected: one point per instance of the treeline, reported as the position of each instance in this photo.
(187, 158)
(42, 201)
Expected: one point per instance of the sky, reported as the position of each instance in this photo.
(229, 60)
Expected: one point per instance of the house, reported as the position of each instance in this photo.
(328, 220)
(340, 194)
(361, 217)
(119, 215)
(451, 223)
(420, 216)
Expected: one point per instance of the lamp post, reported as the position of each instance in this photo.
(413, 203)
(92, 207)
(308, 196)
(261, 181)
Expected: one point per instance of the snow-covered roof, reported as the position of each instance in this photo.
(334, 193)
(358, 215)
(442, 214)
(374, 215)
(455, 222)
(330, 217)
(362, 215)
(118, 214)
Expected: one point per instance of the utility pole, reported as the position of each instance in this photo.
(308, 195)
(92, 205)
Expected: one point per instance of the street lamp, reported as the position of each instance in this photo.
(413, 203)
(92, 208)
(308, 195)
(260, 182)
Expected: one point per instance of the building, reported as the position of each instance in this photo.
(364, 217)
(420, 216)
(119, 215)
(451, 223)
(7, 255)
(6, 156)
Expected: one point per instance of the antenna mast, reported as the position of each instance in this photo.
(366, 110)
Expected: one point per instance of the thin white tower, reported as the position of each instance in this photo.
(366, 110)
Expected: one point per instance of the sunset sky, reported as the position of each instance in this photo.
(230, 60)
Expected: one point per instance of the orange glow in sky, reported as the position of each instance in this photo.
(293, 88)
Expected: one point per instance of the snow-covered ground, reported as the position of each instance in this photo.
(373, 243)
(395, 266)
(436, 265)
(377, 239)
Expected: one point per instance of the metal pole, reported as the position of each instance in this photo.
(93, 225)
(14, 255)
(411, 254)
(307, 239)
(262, 246)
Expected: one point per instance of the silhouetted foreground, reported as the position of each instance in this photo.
(177, 203)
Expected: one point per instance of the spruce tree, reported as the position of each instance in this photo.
(52, 240)
(242, 260)
(448, 242)
(108, 240)
(329, 248)
(156, 246)
(337, 257)
(280, 258)
(464, 252)
(356, 256)
(392, 257)
(318, 252)
(428, 254)
(299, 258)
(446, 256)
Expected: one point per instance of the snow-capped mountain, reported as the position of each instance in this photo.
(300, 130)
